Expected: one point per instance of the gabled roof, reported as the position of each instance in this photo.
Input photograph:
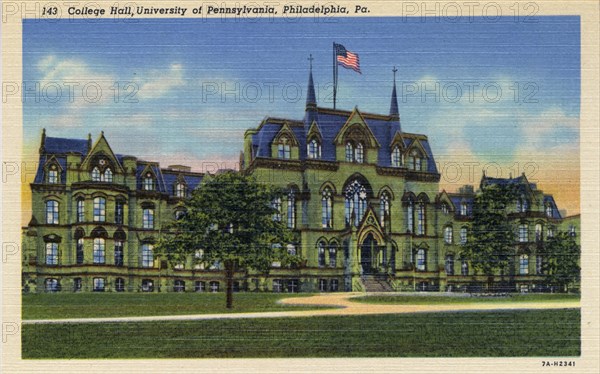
(549, 200)
(65, 145)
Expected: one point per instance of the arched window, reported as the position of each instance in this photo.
(283, 148)
(108, 175)
(396, 157)
(549, 232)
(445, 208)
(148, 218)
(463, 235)
(119, 211)
(448, 234)
(384, 208)
(410, 216)
(95, 174)
(449, 266)
(147, 255)
(179, 189)
(321, 253)
(356, 202)
(79, 251)
(99, 251)
(99, 209)
(415, 160)
(349, 152)
(52, 176)
(276, 205)
(332, 255)
(523, 233)
(51, 253)
(314, 149)
(119, 253)
(538, 232)
(291, 210)
(148, 182)
(359, 153)
(327, 208)
(52, 212)
(80, 209)
(421, 264)
(464, 268)
(421, 218)
(523, 264)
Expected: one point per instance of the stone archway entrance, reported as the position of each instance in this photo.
(368, 254)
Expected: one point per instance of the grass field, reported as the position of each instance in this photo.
(541, 333)
(443, 299)
(82, 305)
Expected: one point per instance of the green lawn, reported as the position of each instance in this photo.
(82, 305)
(534, 333)
(442, 299)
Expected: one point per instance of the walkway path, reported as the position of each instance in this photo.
(341, 304)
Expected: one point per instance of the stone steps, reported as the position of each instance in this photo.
(376, 284)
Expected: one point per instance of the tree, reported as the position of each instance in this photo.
(561, 261)
(230, 220)
(491, 240)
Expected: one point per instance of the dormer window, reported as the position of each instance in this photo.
(52, 174)
(463, 209)
(95, 174)
(314, 149)
(107, 176)
(283, 149)
(549, 211)
(445, 208)
(179, 189)
(415, 160)
(355, 152)
(148, 182)
(396, 157)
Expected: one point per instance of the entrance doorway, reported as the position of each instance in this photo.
(368, 251)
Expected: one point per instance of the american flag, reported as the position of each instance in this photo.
(346, 58)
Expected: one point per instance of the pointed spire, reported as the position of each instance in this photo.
(394, 104)
(43, 144)
(311, 98)
(89, 142)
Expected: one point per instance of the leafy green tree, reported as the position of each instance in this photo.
(561, 261)
(491, 242)
(230, 219)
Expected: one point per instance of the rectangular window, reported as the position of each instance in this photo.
(334, 285)
(119, 212)
(53, 176)
(51, 285)
(79, 252)
(80, 210)
(120, 285)
(449, 265)
(99, 209)
(523, 265)
(322, 285)
(199, 286)
(418, 163)
(463, 236)
(421, 219)
(283, 151)
(326, 210)
(98, 284)
(277, 285)
(214, 287)
(77, 284)
(464, 268)
(147, 285)
(523, 234)
(148, 184)
(292, 285)
(118, 253)
(147, 255)
(539, 264)
(421, 260)
(52, 212)
(291, 211)
(410, 217)
(276, 205)
(148, 219)
(51, 253)
(99, 251)
(349, 153)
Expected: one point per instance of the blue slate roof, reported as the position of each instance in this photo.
(459, 199)
(65, 145)
(330, 123)
(549, 199)
(171, 176)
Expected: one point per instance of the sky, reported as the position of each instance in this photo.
(500, 95)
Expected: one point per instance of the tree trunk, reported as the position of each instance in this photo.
(229, 270)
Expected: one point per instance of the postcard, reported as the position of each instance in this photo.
(325, 187)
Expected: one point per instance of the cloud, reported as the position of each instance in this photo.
(160, 83)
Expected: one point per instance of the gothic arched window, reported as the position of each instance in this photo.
(356, 202)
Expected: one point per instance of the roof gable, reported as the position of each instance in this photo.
(356, 119)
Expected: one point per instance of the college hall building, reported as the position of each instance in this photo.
(362, 193)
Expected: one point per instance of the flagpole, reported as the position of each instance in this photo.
(334, 76)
